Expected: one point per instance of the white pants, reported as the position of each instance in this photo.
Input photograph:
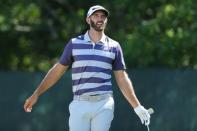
(91, 116)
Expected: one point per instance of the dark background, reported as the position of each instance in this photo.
(172, 94)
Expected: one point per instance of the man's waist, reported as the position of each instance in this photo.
(92, 98)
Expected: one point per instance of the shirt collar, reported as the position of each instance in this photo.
(103, 39)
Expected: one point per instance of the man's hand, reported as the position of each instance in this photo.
(143, 114)
(30, 102)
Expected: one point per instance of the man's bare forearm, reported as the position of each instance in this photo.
(126, 88)
(53, 75)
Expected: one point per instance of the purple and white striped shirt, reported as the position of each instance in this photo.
(92, 64)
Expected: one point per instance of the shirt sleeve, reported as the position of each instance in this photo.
(66, 57)
(119, 63)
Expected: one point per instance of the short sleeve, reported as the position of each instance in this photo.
(66, 57)
(119, 63)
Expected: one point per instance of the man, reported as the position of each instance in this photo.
(93, 56)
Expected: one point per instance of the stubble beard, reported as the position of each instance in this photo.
(97, 27)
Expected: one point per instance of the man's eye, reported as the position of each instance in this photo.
(96, 15)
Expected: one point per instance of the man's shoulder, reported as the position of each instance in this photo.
(77, 39)
(112, 42)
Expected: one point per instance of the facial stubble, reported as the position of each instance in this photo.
(97, 27)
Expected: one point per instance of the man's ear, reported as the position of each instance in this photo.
(88, 20)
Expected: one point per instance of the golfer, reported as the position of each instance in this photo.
(93, 58)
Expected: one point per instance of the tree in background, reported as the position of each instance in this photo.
(152, 33)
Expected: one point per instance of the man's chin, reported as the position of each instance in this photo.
(99, 29)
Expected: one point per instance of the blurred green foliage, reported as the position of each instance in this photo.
(152, 33)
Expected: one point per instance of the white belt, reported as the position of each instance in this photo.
(92, 98)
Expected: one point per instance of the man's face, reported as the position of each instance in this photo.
(97, 21)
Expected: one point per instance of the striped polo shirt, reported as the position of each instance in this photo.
(92, 63)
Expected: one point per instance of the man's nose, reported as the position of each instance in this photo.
(100, 18)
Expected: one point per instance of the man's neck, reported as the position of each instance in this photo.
(95, 36)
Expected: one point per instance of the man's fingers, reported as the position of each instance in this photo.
(145, 118)
(27, 106)
(29, 109)
(143, 114)
(142, 120)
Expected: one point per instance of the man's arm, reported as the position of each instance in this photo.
(125, 85)
(53, 75)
